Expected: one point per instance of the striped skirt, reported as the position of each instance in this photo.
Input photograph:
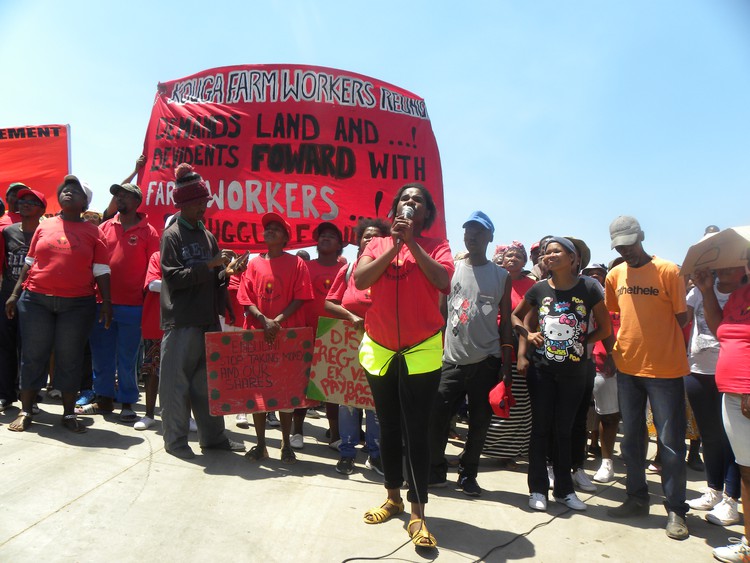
(508, 438)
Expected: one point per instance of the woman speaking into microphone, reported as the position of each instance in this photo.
(402, 348)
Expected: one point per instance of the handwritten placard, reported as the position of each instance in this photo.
(247, 374)
(336, 376)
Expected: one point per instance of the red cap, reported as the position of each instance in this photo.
(28, 191)
(271, 217)
(501, 399)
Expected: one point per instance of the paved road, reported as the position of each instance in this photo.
(114, 494)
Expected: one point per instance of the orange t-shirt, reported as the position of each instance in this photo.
(649, 342)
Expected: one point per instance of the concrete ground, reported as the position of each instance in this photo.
(114, 494)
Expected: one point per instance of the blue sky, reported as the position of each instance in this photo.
(552, 117)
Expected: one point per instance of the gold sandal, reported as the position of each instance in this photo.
(422, 537)
(385, 512)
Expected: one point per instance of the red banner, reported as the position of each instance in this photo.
(38, 156)
(246, 374)
(310, 143)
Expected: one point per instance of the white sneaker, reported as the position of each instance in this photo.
(192, 426)
(537, 501)
(297, 441)
(241, 421)
(707, 501)
(571, 501)
(738, 551)
(551, 477)
(144, 423)
(582, 481)
(725, 513)
(606, 472)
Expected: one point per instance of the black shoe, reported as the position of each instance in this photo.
(345, 466)
(695, 462)
(183, 452)
(376, 464)
(676, 527)
(227, 446)
(469, 486)
(631, 508)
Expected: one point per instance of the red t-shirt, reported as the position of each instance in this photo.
(518, 289)
(271, 284)
(151, 317)
(415, 311)
(733, 369)
(599, 354)
(64, 254)
(232, 288)
(129, 254)
(345, 292)
(321, 279)
(5, 221)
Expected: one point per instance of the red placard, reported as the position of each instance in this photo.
(310, 143)
(336, 376)
(246, 374)
(36, 155)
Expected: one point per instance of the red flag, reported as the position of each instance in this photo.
(36, 155)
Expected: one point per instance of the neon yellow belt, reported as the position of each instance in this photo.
(424, 357)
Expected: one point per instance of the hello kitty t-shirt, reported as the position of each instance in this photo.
(564, 317)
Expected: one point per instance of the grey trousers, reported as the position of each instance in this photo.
(182, 386)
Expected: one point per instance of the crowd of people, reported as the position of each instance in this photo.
(574, 350)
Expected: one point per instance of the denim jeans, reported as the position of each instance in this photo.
(667, 399)
(9, 349)
(721, 469)
(349, 427)
(555, 399)
(476, 381)
(115, 350)
(59, 324)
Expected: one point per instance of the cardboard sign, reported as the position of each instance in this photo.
(246, 374)
(336, 376)
(309, 143)
(726, 249)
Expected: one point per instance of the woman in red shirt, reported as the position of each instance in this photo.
(402, 348)
(732, 329)
(508, 438)
(67, 258)
(345, 301)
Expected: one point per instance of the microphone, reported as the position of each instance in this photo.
(407, 212)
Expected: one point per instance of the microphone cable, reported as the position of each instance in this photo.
(489, 552)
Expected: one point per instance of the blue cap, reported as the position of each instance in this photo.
(482, 219)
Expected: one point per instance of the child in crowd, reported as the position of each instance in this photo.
(273, 289)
